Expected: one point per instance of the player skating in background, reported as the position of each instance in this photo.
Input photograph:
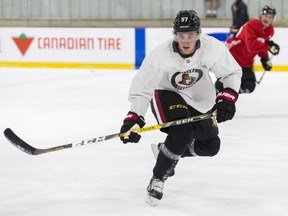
(174, 78)
(254, 38)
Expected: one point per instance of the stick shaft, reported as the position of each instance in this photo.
(29, 149)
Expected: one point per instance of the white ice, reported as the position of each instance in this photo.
(249, 176)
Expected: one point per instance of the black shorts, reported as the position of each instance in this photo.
(248, 74)
(168, 106)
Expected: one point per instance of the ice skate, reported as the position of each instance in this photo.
(154, 191)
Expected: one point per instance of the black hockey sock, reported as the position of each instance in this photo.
(187, 153)
(163, 167)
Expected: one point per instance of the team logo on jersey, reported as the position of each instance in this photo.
(186, 79)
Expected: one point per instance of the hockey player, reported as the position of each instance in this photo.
(254, 38)
(174, 78)
(240, 16)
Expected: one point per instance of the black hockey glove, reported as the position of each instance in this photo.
(266, 64)
(273, 48)
(225, 104)
(131, 122)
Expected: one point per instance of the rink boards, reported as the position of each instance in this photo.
(99, 48)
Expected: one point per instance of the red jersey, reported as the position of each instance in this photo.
(249, 42)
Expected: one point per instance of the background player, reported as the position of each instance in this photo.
(240, 16)
(254, 38)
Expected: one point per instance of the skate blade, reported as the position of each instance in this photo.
(152, 200)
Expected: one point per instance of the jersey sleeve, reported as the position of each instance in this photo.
(143, 85)
(255, 42)
(226, 68)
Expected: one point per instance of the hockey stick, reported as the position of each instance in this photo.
(264, 72)
(25, 147)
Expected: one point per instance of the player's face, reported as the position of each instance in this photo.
(266, 19)
(186, 41)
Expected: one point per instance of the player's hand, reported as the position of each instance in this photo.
(131, 122)
(266, 64)
(273, 48)
(233, 30)
(225, 104)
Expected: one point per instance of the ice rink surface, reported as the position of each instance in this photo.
(249, 176)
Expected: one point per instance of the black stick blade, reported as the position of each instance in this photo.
(19, 143)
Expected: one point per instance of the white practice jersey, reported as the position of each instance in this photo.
(164, 69)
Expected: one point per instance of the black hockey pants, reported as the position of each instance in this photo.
(203, 134)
